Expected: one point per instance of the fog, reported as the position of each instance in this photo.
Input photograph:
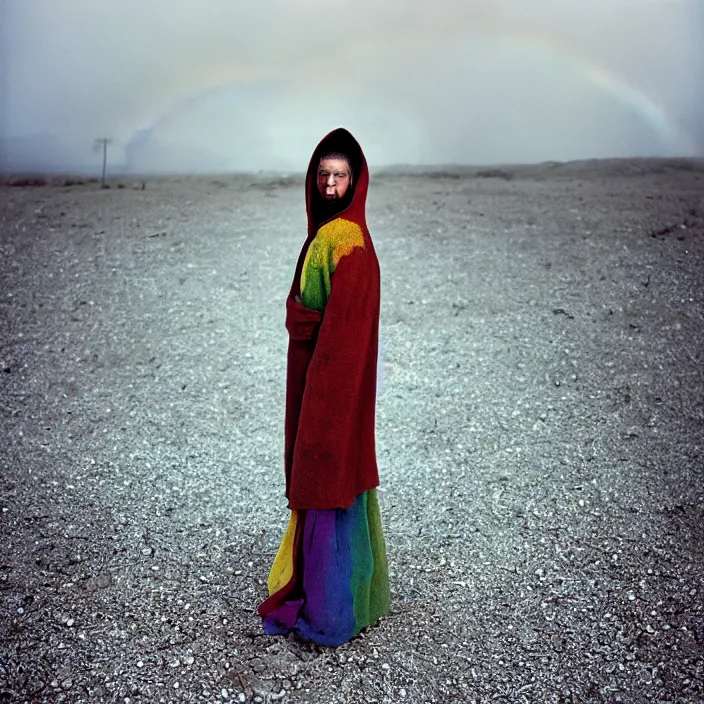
(218, 85)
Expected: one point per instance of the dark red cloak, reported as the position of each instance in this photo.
(330, 454)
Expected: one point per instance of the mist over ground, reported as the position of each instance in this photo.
(222, 86)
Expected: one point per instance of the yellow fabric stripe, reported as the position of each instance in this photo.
(333, 241)
(343, 236)
(282, 569)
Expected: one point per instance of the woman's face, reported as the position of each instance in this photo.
(333, 178)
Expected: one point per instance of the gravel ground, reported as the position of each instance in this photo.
(540, 434)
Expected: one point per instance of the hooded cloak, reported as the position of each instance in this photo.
(332, 316)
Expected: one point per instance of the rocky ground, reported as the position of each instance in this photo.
(540, 435)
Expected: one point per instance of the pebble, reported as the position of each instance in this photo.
(224, 694)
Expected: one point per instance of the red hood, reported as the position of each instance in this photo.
(339, 140)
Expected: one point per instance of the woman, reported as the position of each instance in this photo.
(329, 579)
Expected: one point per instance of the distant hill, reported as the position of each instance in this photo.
(43, 153)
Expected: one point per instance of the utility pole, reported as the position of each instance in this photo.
(103, 142)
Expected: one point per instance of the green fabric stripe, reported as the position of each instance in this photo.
(379, 597)
(317, 276)
(370, 578)
(362, 563)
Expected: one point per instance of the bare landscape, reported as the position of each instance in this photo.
(540, 431)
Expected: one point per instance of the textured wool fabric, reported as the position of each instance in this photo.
(332, 315)
(329, 579)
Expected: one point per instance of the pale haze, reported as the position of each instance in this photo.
(227, 85)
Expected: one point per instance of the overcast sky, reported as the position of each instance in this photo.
(234, 84)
